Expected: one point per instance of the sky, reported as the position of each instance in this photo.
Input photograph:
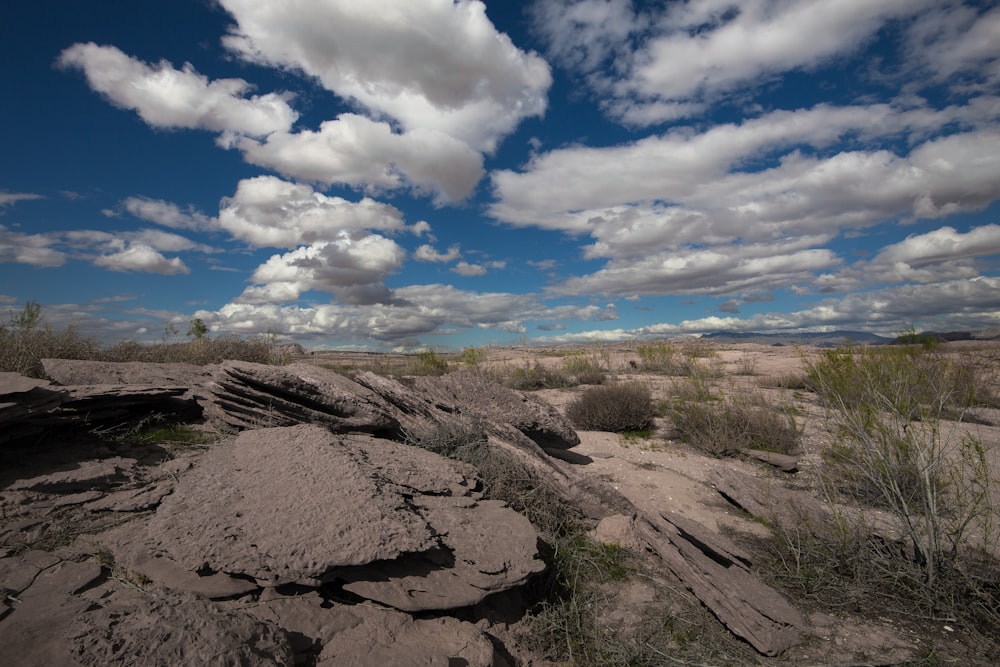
(407, 174)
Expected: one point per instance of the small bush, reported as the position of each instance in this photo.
(532, 377)
(900, 447)
(427, 362)
(726, 424)
(615, 407)
(586, 369)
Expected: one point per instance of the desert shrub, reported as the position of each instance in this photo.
(901, 445)
(27, 339)
(790, 380)
(587, 369)
(427, 362)
(530, 377)
(471, 357)
(659, 357)
(614, 407)
(724, 424)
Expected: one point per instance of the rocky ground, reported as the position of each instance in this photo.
(295, 522)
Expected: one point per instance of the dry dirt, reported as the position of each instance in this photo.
(659, 472)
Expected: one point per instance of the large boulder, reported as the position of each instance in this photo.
(303, 505)
(244, 395)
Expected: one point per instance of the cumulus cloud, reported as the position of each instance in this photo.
(164, 96)
(646, 204)
(427, 253)
(690, 54)
(351, 260)
(360, 152)
(266, 211)
(32, 249)
(168, 214)
(719, 270)
(943, 254)
(437, 66)
(469, 270)
(126, 256)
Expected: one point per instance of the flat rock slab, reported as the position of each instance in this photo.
(174, 629)
(302, 505)
(78, 372)
(363, 635)
(286, 505)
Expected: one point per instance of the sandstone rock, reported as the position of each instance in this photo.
(717, 573)
(302, 505)
(782, 462)
(24, 404)
(175, 629)
(491, 401)
(78, 372)
(487, 548)
(84, 476)
(118, 402)
(364, 634)
(771, 502)
(248, 395)
(286, 505)
(39, 605)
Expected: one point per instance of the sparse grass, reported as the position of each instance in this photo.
(726, 423)
(792, 381)
(618, 408)
(504, 476)
(901, 446)
(586, 368)
(532, 376)
(427, 362)
(27, 339)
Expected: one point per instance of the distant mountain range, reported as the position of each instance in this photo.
(835, 338)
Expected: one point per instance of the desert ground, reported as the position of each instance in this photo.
(644, 614)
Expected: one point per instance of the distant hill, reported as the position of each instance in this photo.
(835, 338)
(821, 339)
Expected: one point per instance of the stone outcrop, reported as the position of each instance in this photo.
(245, 395)
(318, 492)
(300, 505)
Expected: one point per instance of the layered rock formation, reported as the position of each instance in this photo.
(315, 527)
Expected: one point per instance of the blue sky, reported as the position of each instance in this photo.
(404, 173)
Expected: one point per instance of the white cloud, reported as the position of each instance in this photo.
(717, 270)
(168, 214)
(351, 260)
(427, 253)
(32, 249)
(360, 152)
(432, 65)
(8, 198)
(648, 203)
(692, 53)
(167, 97)
(469, 270)
(943, 254)
(268, 212)
(125, 256)
(959, 45)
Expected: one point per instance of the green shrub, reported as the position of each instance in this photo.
(533, 376)
(587, 369)
(615, 407)
(26, 340)
(901, 445)
(724, 424)
(427, 362)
